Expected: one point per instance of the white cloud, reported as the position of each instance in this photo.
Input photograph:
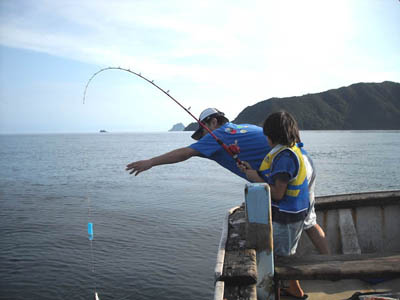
(233, 53)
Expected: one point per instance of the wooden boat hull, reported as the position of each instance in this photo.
(376, 219)
(362, 228)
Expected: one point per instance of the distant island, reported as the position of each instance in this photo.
(177, 127)
(361, 106)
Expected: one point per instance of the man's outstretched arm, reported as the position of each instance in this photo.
(172, 157)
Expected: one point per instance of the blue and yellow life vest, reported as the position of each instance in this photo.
(295, 203)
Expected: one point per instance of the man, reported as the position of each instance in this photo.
(250, 139)
(253, 148)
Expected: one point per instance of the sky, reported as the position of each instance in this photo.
(223, 54)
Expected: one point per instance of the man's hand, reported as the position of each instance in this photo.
(171, 157)
(139, 166)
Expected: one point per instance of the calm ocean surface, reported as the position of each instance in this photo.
(156, 235)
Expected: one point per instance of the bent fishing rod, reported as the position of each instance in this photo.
(233, 150)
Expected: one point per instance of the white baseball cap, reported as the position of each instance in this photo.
(205, 114)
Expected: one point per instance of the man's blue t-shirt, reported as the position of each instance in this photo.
(250, 138)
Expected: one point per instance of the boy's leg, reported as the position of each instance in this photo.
(317, 237)
(295, 289)
(286, 238)
(314, 231)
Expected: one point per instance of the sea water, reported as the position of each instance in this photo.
(156, 234)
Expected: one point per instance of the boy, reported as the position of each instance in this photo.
(284, 169)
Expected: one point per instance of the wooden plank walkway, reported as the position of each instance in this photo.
(348, 233)
(240, 267)
(335, 267)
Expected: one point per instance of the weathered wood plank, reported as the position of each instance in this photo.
(357, 200)
(237, 231)
(319, 258)
(330, 219)
(335, 267)
(240, 292)
(390, 227)
(219, 290)
(240, 267)
(369, 222)
(348, 233)
(222, 244)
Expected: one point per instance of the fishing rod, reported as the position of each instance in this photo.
(233, 150)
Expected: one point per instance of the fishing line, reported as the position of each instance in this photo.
(90, 231)
(91, 236)
(233, 150)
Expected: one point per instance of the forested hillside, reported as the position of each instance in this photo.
(359, 106)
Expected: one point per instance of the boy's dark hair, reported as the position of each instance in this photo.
(281, 128)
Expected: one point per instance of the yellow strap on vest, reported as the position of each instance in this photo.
(301, 174)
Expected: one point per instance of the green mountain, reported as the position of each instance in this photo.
(361, 106)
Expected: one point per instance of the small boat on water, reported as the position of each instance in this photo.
(363, 232)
